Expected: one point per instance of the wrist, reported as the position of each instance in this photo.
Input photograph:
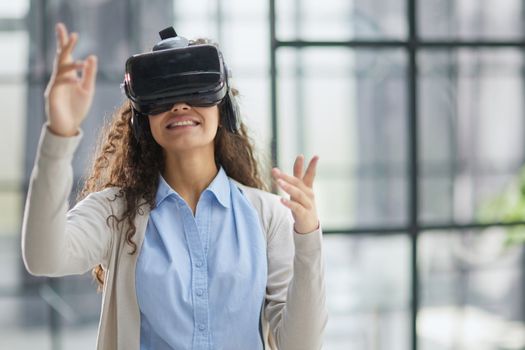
(62, 133)
(307, 230)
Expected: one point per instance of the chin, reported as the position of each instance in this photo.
(186, 146)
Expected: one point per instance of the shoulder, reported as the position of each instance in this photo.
(110, 198)
(258, 197)
(268, 205)
(107, 194)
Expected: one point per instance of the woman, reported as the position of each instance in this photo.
(190, 253)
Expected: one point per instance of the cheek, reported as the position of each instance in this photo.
(214, 117)
(213, 126)
(155, 129)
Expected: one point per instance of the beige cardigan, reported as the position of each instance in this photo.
(58, 242)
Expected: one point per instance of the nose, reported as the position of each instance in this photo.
(180, 106)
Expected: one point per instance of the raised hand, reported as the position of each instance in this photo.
(300, 189)
(69, 96)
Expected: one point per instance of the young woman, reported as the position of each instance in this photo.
(189, 251)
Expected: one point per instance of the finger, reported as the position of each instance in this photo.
(61, 33)
(295, 207)
(278, 174)
(65, 80)
(309, 175)
(89, 74)
(298, 166)
(68, 67)
(65, 54)
(296, 194)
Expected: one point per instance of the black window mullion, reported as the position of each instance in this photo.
(413, 168)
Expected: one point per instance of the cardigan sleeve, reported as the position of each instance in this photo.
(55, 241)
(295, 301)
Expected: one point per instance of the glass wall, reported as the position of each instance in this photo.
(417, 248)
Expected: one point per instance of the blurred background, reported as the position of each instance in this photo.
(416, 109)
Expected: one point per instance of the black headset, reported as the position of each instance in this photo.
(228, 107)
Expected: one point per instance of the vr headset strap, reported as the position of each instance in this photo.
(138, 123)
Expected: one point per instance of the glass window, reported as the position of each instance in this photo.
(24, 322)
(368, 290)
(103, 31)
(471, 19)
(13, 100)
(340, 20)
(349, 107)
(14, 46)
(471, 291)
(14, 9)
(471, 129)
(11, 269)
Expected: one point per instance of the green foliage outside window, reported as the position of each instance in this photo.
(507, 207)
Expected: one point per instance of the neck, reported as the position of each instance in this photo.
(190, 174)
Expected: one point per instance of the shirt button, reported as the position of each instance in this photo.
(199, 263)
(200, 292)
(202, 327)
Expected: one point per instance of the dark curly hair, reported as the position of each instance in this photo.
(133, 166)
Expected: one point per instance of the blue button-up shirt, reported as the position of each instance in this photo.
(201, 279)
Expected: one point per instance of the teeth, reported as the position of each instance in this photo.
(182, 123)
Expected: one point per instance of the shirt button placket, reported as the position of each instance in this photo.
(199, 283)
(201, 304)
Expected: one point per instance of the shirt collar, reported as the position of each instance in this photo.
(220, 187)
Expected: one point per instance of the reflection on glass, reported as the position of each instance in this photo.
(349, 107)
(13, 101)
(471, 291)
(104, 31)
(15, 48)
(471, 19)
(471, 129)
(14, 9)
(24, 323)
(340, 20)
(367, 288)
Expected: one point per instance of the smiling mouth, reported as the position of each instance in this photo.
(182, 123)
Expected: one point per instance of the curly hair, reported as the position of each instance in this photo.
(133, 167)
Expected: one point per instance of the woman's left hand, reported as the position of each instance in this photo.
(300, 189)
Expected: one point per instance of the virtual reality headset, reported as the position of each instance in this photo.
(175, 72)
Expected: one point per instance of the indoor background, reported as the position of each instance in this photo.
(416, 109)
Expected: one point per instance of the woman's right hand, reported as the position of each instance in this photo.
(68, 97)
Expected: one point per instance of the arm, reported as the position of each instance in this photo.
(295, 300)
(298, 322)
(56, 242)
(51, 243)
